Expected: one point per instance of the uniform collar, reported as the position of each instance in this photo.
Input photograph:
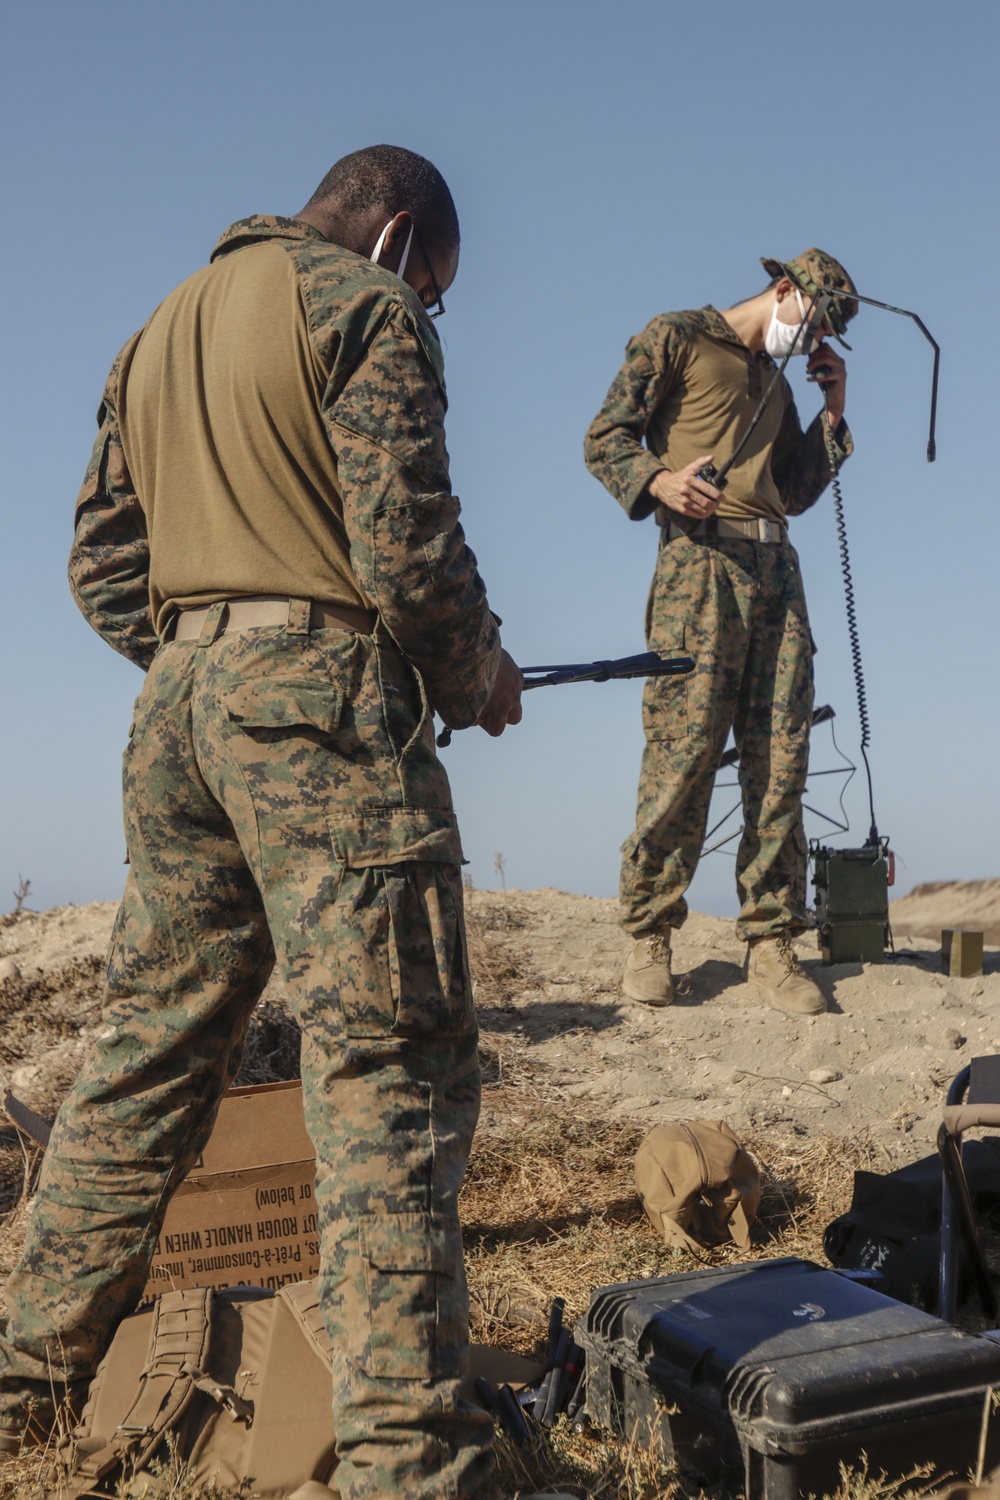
(718, 328)
(260, 227)
(716, 325)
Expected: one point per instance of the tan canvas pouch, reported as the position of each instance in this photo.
(698, 1186)
(293, 1397)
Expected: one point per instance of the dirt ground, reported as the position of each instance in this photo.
(556, 1030)
(574, 1077)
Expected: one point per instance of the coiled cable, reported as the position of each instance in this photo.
(852, 616)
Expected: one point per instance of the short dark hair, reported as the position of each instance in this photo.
(392, 179)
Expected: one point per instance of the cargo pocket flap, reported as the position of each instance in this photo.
(390, 835)
(409, 1242)
(417, 1304)
(282, 705)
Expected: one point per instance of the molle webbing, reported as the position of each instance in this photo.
(302, 1298)
(178, 1341)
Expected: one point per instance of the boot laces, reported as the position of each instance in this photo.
(789, 958)
(659, 948)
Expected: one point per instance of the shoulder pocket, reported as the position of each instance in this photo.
(430, 344)
(271, 704)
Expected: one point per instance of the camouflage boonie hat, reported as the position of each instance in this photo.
(811, 271)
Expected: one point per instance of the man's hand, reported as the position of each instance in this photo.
(684, 492)
(833, 380)
(504, 706)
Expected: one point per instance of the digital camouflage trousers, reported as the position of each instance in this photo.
(283, 803)
(737, 607)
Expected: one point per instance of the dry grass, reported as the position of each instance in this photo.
(38, 1014)
(273, 1044)
(587, 1463)
(499, 971)
(549, 1208)
(590, 1464)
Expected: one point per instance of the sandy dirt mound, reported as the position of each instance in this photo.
(880, 1060)
(51, 985)
(949, 903)
(557, 1032)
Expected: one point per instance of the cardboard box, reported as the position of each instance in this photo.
(246, 1214)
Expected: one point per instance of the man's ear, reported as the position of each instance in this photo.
(784, 289)
(395, 237)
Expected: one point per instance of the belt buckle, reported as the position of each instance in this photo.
(763, 530)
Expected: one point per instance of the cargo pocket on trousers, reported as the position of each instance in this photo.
(270, 703)
(403, 968)
(417, 1301)
(665, 699)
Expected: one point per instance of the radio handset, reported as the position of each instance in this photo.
(712, 475)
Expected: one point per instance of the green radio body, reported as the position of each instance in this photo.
(852, 903)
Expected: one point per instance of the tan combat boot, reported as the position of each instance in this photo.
(773, 968)
(647, 977)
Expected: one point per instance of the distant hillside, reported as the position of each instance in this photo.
(948, 903)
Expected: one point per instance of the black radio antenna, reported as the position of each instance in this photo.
(903, 312)
(814, 312)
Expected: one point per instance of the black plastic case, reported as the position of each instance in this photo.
(770, 1375)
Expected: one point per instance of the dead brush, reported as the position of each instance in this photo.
(586, 1463)
(172, 1479)
(37, 1013)
(860, 1484)
(499, 971)
(805, 1184)
(592, 1464)
(19, 1165)
(549, 1208)
(273, 1045)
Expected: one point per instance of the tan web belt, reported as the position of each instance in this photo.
(259, 610)
(755, 530)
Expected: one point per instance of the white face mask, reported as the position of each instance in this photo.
(780, 336)
(406, 248)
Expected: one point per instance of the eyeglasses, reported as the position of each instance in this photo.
(439, 309)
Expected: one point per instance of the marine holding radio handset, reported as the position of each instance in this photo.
(783, 322)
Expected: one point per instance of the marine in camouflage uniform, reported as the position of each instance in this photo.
(284, 804)
(727, 592)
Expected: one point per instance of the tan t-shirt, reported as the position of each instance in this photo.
(690, 386)
(219, 406)
(284, 414)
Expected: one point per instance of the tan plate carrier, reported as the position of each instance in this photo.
(234, 1385)
(239, 1380)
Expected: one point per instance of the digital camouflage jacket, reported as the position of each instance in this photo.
(381, 480)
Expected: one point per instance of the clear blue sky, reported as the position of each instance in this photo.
(609, 162)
